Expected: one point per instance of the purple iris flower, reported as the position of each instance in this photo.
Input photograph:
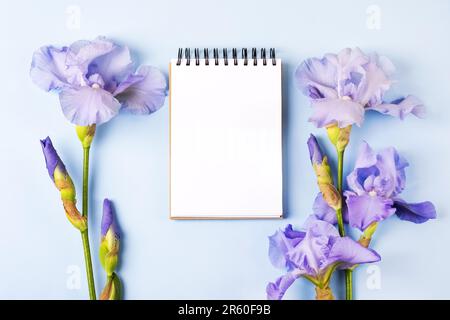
(375, 183)
(343, 86)
(95, 79)
(314, 254)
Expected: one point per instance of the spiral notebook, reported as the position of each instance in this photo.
(225, 134)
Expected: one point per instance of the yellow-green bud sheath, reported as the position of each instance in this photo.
(86, 134)
(109, 252)
(339, 137)
(366, 237)
(325, 182)
(112, 289)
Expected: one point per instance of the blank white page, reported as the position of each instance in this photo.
(225, 140)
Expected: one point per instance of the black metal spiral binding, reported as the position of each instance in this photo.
(187, 53)
(225, 56)
(216, 56)
(272, 56)
(235, 58)
(245, 56)
(197, 56)
(234, 54)
(180, 56)
(263, 56)
(206, 54)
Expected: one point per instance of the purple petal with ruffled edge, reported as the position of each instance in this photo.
(415, 212)
(400, 108)
(342, 112)
(364, 167)
(366, 209)
(86, 106)
(144, 92)
(383, 173)
(349, 61)
(49, 71)
(348, 252)
(52, 159)
(108, 221)
(316, 78)
(374, 83)
(281, 243)
(113, 67)
(81, 53)
(323, 211)
(310, 256)
(315, 153)
(276, 290)
(392, 176)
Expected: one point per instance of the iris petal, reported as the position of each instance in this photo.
(415, 212)
(323, 211)
(366, 209)
(49, 71)
(336, 111)
(349, 252)
(276, 290)
(402, 107)
(85, 106)
(144, 92)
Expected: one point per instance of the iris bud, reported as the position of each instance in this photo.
(323, 172)
(110, 239)
(58, 173)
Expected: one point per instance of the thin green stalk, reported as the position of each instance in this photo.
(348, 273)
(85, 234)
(340, 220)
(348, 284)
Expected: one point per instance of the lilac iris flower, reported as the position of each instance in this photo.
(314, 254)
(375, 183)
(95, 79)
(343, 86)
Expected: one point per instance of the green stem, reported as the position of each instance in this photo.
(349, 284)
(340, 220)
(85, 234)
(348, 273)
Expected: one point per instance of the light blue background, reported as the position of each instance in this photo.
(213, 259)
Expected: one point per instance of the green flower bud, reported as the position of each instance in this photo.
(322, 169)
(110, 239)
(58, 173)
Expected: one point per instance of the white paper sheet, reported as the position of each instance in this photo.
(225, 140)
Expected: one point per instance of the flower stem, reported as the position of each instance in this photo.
(340, 220)
(85, 234)
(348, 273)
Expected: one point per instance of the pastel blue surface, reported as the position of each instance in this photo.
(41, 253)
